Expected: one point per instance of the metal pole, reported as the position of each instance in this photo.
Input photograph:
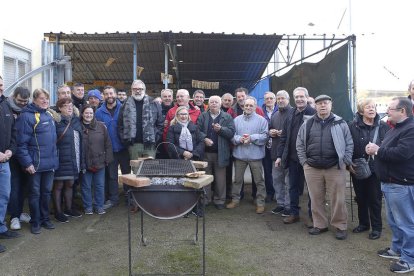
(135, 63)
(165, 66)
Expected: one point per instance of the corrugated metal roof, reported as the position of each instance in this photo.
(233, 60)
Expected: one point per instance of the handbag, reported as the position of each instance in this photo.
(361, 168)
(361, 165)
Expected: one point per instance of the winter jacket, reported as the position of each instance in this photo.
(36, 142)
(275, 109)
(111, 123)
(341, 137)
(256, 126)
(276, 122)
(68, 164)
(236, 110)
(173, 137)
(8, 136)
(395, 157)
(283, 150)
(362, 134)
(193, 112)
(152, 123)
(224, 135)
(96, 146)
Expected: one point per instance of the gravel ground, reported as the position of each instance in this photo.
(238, 242)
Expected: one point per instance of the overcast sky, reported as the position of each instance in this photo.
(384, 31)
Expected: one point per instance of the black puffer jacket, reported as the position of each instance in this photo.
(66, 147)
(362, 134)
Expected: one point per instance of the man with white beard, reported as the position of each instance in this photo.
(140, 122)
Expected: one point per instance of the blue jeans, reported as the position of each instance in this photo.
(4, 193)
(19, 189)
(40, 184)
(98, 181)
(281, 186)
(399, 204)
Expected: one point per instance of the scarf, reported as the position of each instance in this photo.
(186, 139)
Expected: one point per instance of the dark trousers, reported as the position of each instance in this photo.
(267, 168)
(40, 184)
(121, 158)
(19, 189)
(369, 201)
(296, 179)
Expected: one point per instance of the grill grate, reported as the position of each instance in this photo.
(165, 167)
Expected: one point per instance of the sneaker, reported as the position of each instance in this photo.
(285, 213)
(278, 210)
(108, 204)
(25, 217)
(260, 209)
(100, 211)
(72, 213)
(2, 248)
(35, 229)
(291, 219)
(88, 212)
(388, 253)
(47, 225)
(401, 267)
(340, 234)
(61, 218)
(232, 205)
(15, 224)
(9, 235)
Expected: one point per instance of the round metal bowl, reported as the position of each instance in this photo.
(165, 201)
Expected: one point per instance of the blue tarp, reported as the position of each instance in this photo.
(259, 90)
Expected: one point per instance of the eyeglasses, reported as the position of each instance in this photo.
(183, 114)
(249, 105)
(138, 89)
(270, 98)
(394, 109)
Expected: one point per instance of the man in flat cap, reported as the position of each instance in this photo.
(325, 147)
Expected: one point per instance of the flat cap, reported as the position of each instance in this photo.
(322, 98)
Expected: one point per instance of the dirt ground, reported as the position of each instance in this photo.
(238, 242)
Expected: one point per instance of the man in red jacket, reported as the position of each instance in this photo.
(182, 99)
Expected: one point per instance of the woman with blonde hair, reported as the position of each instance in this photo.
(367, 127)
(184, 137)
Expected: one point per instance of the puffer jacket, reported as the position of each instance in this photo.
(36, 142)
(341, 137)
(96, 146)
(68, 165)
(173, 138)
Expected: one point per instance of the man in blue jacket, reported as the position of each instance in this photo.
(108, 113)
(395, 168)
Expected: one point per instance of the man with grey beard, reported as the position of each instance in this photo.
(140, 122)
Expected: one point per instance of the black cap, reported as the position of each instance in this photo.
(322, 98)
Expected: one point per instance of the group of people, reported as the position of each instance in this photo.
(83, 140)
